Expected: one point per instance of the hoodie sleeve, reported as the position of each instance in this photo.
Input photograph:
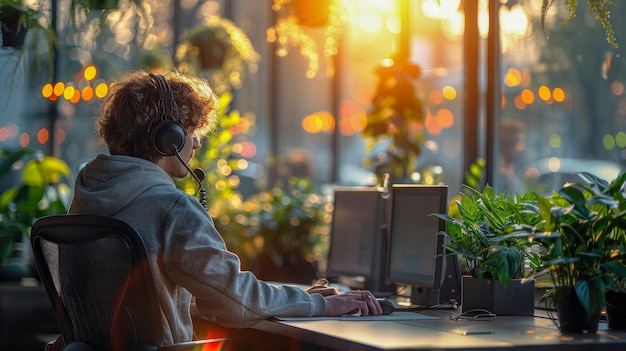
(196, 258)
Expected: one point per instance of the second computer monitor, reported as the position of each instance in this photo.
(416, 255)
(358, 247)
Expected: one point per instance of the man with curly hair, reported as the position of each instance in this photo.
(152, 125)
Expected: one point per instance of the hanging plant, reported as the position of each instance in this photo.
(219, 51)
(599, 10)
(80, 10)
(17, 21)
(289, 30)
(311, 13)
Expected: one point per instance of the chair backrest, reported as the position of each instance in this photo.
(96, 273)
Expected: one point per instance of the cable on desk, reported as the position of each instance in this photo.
(477, 314)
(445, 306)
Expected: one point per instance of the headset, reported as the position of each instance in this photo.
(167, 135)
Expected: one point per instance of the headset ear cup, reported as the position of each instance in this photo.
(167, 138)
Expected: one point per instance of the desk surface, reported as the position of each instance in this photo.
(503, 332)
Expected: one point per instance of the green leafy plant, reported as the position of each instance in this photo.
(582, 228)
(599, 10)
(43, 190)
(485, 233)
(285, 225)
(392, 134)
(220, 162)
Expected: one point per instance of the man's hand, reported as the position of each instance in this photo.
(352, 302)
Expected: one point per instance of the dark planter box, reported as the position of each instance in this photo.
(616, 309)
(518, 299)
(573, 318)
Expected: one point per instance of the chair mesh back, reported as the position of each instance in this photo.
(89, 280)
(99, 282)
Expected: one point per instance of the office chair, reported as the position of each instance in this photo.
(96, 273)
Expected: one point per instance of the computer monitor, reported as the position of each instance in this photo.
(416, 253)
(358, 239)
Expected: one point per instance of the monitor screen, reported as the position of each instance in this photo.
(416, 249)
(357, 240)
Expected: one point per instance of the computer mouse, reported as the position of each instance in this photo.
(386, 305)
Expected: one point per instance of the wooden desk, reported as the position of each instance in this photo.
(504, 332)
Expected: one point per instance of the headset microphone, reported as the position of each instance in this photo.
(198, 175)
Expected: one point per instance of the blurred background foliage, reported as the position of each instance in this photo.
(41, 186)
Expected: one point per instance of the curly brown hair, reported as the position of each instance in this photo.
(130, 110)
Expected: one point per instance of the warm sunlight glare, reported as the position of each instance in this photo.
(370, 21)
(440, 8)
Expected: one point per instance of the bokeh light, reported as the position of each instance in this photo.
(558, 94)
(544, 93)
(554, 140)
(512, 78)
(449, 92)
(90, 72)
(608, 142)
(43, 136)
(24, 139)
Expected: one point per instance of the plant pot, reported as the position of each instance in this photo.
(572, 317)
(212, 50)
(104, 4)
(616, 309)
(12, 34)
(518, 298)
(311, 13)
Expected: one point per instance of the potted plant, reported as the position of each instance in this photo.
(290, 29)
(615, 295)
(17, 21)
(43, 190)
(284, 231)
(217, 50)
(581, 224)
(486, 239)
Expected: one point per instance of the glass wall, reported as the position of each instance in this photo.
(558, 103)
(561, 108)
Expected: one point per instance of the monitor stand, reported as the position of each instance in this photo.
(449, 293)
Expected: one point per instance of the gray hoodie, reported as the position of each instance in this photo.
(188, 256)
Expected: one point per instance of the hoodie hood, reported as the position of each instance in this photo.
(109, 183)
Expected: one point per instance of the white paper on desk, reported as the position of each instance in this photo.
(396, 316)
